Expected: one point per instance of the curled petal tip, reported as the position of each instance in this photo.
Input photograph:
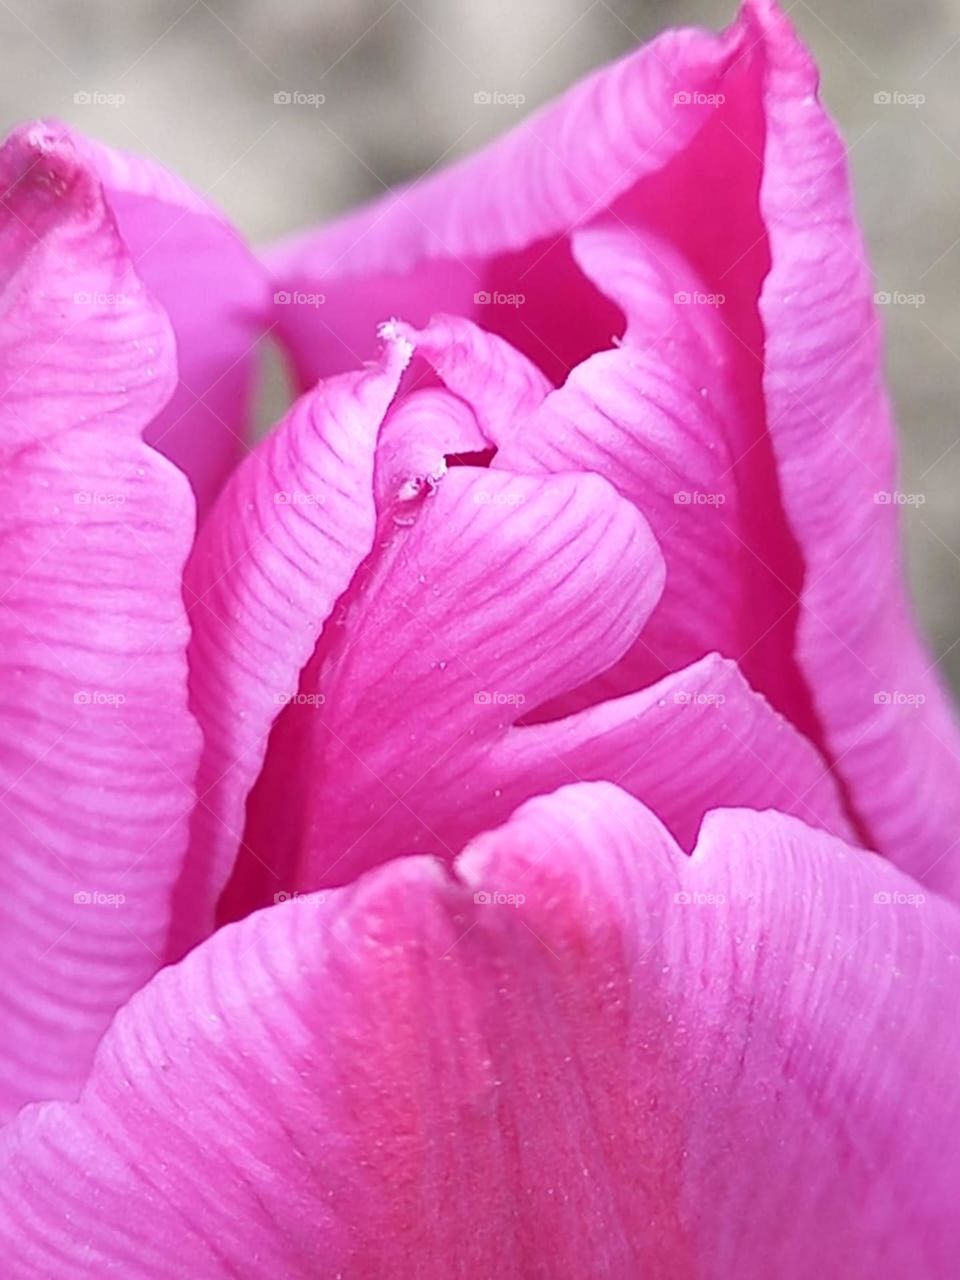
(398, 339)
(40, 161)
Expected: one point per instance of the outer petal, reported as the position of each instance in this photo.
(583, 1055)
(217, 296)
(886, 720)
(282, 545)
(98, 749)
(447, 244)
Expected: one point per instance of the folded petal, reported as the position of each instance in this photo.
(502, 592)
(98, 750)
(419, 720)
(283, 543)
(502, 386)
(663, 417)
(424, 430)
(886, 720)
(671, 435)
(582, 1054)
(217, 296)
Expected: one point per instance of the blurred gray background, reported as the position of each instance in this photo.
(193, 82)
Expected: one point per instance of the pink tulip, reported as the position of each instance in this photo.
(451, 860)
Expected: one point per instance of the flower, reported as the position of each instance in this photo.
(451, 857)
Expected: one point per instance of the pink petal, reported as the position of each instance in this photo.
(281, 546)
(583, 1054)
(679, 411)
(698, 739)
(416, 723)
(663, 419)
(502, 592)
(497, 222)
(885, 717)
(98, 749)
(422, 431)
(216, 294)
(503, 387)
(797, 577)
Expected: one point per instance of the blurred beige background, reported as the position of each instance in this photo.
(197, 80)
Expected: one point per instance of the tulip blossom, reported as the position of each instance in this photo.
(503, 823)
